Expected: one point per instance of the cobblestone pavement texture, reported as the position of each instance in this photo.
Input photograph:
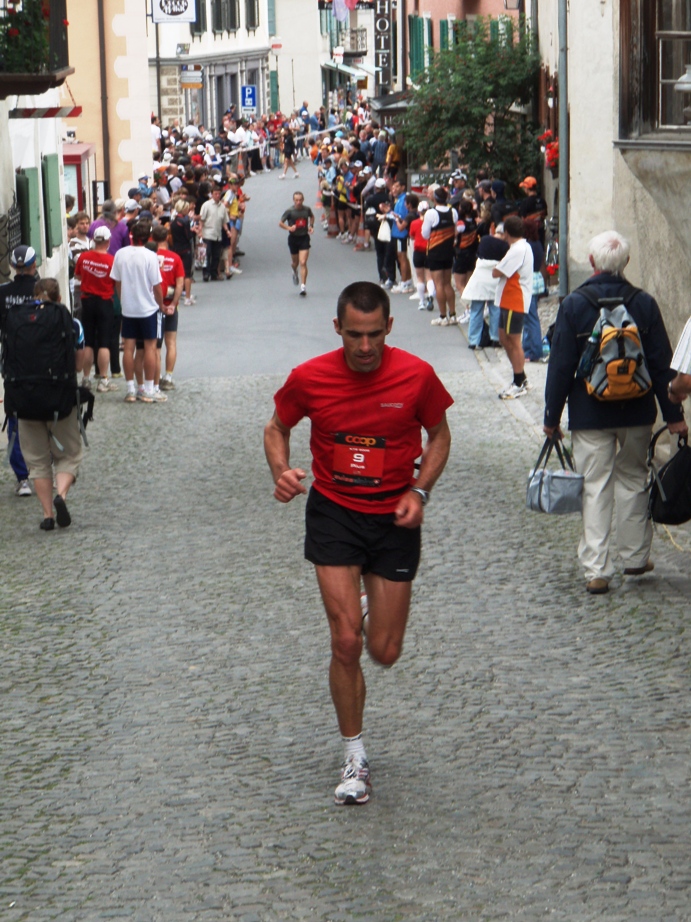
(168, 747)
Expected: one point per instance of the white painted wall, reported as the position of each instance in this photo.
(134, 108)
(30, 139)
(299, 61)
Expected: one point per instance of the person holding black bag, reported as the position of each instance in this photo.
(610, 436)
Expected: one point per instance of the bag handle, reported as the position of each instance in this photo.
(555, 442)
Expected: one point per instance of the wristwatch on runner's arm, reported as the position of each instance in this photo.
(422, 493)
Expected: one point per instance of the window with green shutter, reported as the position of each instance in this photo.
(28, 199)
(443, 34)
(199, 26)
(271, 16)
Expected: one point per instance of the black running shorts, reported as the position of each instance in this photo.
(297, 242)
(340, 537)
(511, 321)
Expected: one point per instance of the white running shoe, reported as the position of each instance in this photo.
(440, 322)
(421, 306)
(453, 319)
(355, 786)
(23, 488)
(514, 391)
(303, 291)
(465, 316)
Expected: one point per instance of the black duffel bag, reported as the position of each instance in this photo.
(670, 485)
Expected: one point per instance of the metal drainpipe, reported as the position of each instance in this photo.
(158, 75)
(105, 127)
(563, 152)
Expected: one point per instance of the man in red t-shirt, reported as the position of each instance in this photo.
(367, 404)
(173, 275)
(98, 316)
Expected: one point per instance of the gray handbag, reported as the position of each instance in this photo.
(554, 492)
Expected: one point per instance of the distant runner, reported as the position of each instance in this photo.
(299, 222)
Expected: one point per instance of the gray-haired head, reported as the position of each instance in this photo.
(609, 252)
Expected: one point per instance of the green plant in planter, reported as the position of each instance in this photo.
(24, 38)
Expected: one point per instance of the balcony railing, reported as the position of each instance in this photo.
(353, 41)
(34, 54)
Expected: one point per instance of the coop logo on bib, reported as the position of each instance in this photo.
(358, 460)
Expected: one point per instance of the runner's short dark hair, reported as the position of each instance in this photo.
(363, 296)
(513, 226)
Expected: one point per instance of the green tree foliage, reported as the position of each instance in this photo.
(467, 101)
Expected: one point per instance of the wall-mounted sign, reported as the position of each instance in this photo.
(174, 10)
(191, 77)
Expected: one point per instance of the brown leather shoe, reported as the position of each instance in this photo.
(597, 586)
(639, 571)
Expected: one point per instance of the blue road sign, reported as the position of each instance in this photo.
(248, 96)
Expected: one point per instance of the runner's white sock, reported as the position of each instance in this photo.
(130, 387)
(148, 388)
(421, 290)
(431, 290)
(353, 746)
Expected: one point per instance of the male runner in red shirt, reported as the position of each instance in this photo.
(367, 404)
(173, 275)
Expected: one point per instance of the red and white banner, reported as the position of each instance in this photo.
(48, 112)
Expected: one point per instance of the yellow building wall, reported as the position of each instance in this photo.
(127, 92)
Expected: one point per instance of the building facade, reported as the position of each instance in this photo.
(630, 137)
(197, 70)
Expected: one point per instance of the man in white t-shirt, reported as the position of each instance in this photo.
(138, 283)
(514, 292)
(680, 387)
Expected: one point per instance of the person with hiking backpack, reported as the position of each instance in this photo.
(610, 360)
(42, 351)
(19, 290)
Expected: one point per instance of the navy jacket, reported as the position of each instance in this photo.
(575, 321)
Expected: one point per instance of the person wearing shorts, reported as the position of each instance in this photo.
(367, 404)
(53, 449)
(424, 286)
(299, 222)
(514, 293)
(173, 278)
(98, 314)
(138, 284)
(439, 230)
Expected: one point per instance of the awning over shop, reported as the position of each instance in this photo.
(345, 69)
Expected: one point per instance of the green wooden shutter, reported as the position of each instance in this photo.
(430, 42)
(273, 89)
(52, 202)
(494, 30)
(416, 32)
(443, 34)
(29, 203)
(271, 15)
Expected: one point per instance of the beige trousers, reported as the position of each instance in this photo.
(615, 501)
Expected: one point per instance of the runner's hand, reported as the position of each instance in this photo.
(288, 485)
(409, 512)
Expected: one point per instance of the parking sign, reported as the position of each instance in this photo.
(248, 97)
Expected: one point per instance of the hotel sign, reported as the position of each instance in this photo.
(173, 10)
(382, 43)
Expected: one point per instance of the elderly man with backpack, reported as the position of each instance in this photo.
(610, 360)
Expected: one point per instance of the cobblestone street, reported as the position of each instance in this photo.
(168, 749)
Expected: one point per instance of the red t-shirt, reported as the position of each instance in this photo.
(94, 271)
(415, 232)
(366, 426)
(172, 269)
